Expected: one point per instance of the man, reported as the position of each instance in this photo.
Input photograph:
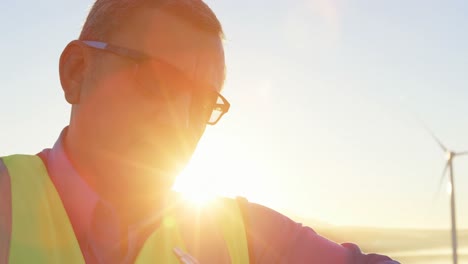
(144, 80)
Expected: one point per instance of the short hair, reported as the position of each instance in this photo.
(106, 16)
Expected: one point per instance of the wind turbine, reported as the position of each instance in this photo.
(450, 155)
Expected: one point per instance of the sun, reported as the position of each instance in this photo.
(195, 182)
(198, 198)
(214, 171)
(194, 187)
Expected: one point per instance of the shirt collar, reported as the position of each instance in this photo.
(77, 197)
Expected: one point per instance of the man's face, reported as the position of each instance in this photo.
(125, 120)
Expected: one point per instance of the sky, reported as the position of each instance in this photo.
(325, 101)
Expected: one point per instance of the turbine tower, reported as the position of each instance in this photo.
(450, 155)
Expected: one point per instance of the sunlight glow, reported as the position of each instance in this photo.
(215, 172)
(195, 182)
(193, 189)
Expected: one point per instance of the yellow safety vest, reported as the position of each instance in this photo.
(42, 233)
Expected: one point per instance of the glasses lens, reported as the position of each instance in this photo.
(217, 112)
(166, 83)
(160, 81)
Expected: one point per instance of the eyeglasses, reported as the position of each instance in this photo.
(159, 78)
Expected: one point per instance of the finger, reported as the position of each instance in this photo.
(192, 259)
(184, 257)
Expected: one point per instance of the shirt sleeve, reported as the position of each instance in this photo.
(274, 238)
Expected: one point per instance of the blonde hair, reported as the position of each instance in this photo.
(107, 15)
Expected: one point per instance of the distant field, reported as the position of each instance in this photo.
(409, 246)
(430, 259)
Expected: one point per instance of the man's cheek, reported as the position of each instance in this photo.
(175, 112)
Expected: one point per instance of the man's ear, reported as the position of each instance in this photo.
(72, 68)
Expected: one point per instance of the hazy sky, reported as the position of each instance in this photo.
(324, 96)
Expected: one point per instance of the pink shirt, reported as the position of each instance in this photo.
(272, 237)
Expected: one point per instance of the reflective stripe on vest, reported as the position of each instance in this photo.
(42, 233)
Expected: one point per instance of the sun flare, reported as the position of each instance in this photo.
(194, 187)
(220, 171)
(195, 182)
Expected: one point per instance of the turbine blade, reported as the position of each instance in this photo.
(441, 181)
(437, 140)
(463, 153)
(443, 175)
(428, 130)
